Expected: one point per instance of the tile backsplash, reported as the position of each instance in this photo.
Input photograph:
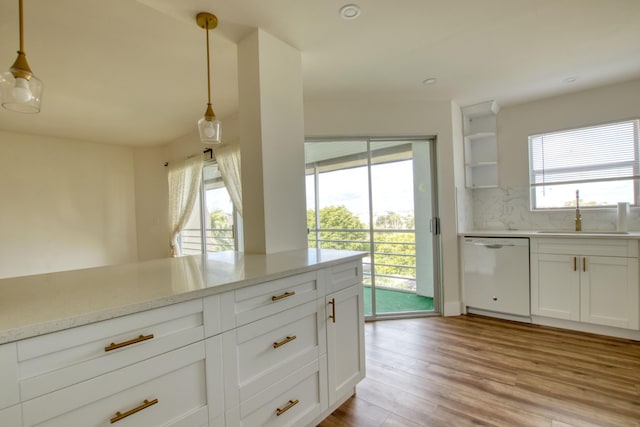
(508, 209)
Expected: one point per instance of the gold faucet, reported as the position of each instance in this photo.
(578, 215)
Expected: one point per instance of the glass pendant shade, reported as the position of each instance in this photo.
(20, 90)
(210, 130)
(20, 94)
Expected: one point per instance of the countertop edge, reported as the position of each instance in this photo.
(632, 235)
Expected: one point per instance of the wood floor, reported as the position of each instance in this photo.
(472, 370)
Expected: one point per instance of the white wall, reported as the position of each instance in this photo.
(508, 206)
(152, 212)
(385, 117)
(595, 106)
(64, 204)
(271, 144)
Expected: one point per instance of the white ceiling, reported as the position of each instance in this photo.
(134, 72)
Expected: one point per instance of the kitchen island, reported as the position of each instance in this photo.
(226, 339)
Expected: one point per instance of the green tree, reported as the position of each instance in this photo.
(392, 220)
(218, 236)
(344, 229)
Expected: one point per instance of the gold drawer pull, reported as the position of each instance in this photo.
(333, 310)
(285, 295)
(141, 338)
(119, 416)
(290, 405)
(284, 341)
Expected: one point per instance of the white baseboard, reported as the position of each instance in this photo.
(628, 334)
(505, 316)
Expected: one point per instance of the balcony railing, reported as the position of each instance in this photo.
(392, 253)
(217, 239)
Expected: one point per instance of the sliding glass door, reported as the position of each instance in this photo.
(378, 195)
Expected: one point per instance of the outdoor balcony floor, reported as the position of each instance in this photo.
(396, 301)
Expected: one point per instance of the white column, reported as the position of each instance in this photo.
(271, 144)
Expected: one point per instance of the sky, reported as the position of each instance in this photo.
(392, 189)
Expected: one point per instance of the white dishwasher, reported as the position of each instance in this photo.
(496, 275)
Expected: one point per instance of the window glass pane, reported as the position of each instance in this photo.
(599, 161)
(607, 193)
(218, 210)
(393, 212)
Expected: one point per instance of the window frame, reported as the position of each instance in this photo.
(635, 165)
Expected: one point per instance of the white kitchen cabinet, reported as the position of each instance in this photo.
(595, 281)
(9, 392)
(259, 301)
(295, 400)
(215, 381)
(54, 361)
(159, 391)
(253, 356)
(345, 341)
(11, 416)
(609, 291)
(260, 354)
(480, 145)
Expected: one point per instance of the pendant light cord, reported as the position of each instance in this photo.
(208, 66)
(21, 28)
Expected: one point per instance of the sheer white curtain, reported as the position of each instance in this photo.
(228, 158)
(184, 187)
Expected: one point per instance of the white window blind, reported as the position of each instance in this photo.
(590, 157)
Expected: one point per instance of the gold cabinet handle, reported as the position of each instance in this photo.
(575, 263)
(290, 405)
(333, 310)
(584, 263)
(141, 338)
(285, 295)
(284, 341)
(119, 416)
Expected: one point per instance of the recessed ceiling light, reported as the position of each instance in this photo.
(570, 79)
(429, 81)
(350, 11)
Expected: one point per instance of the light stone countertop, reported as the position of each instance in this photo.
(553, 234)
(44, 303)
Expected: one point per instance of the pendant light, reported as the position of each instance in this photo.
(208, 126)
(20, 90)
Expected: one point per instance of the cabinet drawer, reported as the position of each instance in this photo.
(176, 379)
(294, 401)
(256, 302)
(54, 361)
(344, 275)
(9, 394)
(270, 349)
(581, 246)
(11, 416)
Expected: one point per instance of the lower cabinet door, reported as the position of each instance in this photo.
(345, 341)
(555, 286)
(609, 291)
(294, 401)
(167, 390)
(11, 416)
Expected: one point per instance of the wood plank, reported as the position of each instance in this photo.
(474, 370)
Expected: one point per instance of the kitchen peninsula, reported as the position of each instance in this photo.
(226, 339)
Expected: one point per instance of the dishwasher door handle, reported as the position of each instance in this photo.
(492, 245)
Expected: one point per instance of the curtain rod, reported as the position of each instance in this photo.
(206, 151)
